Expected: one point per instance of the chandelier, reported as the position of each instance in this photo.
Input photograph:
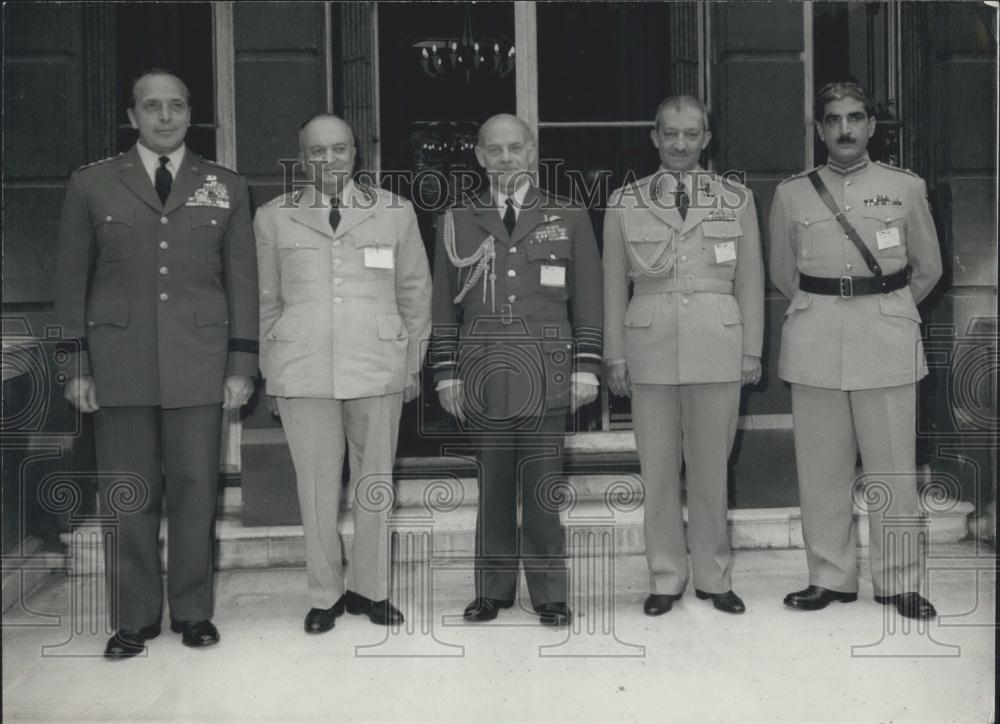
(467, 58)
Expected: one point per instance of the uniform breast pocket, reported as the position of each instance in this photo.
(113, 229)
(814, 231)
(722, 241)
(550, 262)
(300, 260)
(207, 227)
(887, 225)
(376, 247)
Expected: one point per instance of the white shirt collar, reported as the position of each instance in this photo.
(517, 197)
(668, 179)
(151, 160)
(345, 193)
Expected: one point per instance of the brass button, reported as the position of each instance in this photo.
(511, 273)
(512, 298)
(214, 222)
(847, 208)
(164, 220)
(685, 301)
(163, 271)
(513, 250)
(164, 245)
(164, 296)
(848, 267)
(336, 242)
(106, 218)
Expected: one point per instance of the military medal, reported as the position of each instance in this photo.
(212, 193)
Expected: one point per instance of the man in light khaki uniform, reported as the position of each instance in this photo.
(345, 295)
(687, 241)
(851, 349)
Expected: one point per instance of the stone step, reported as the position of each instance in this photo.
(589, 523)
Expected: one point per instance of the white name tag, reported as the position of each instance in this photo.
(725, 251)
(888, 238)
(379, 257)
(553, 276)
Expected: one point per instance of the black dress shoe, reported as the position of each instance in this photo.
(814, 598)
(554, 614)
(196, 634)
(321, 620)
(127, 643)
(381, 612)
(728, 601)
(911, 605)
(657, 604)
(485, 609)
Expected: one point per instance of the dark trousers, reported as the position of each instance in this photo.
(526, 463)
(135, 447)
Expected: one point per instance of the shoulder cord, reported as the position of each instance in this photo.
(484, 259)
(647, 269)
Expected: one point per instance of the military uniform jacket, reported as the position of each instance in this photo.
(865, 341)
(697, 306)
(344, 314)
(160, 298)
(540, 323)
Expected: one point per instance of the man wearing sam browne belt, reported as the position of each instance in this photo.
(853, 246)
(688, 243)
(517, 345)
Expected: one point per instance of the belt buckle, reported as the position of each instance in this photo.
(846, 287)
(687, 285)
(506, 314)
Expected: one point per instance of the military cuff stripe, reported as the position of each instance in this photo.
(251, 346)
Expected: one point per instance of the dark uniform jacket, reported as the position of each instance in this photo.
(160, 298)
(536, 323)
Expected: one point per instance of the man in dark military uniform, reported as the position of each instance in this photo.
(157, 280)
(853, 246)
(517, 345)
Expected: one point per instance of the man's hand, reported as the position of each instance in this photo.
(81, 392)
(412, 388)
(751, 370)
(236, 392)
(583, 393)
(272, 406)
(618, 379)
(452, 399)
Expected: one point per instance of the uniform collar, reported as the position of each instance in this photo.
(517, 197)
(851, 169)
(665, 181)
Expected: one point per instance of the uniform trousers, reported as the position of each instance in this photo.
(528, 465)
(316, 430)
(830, 426)
(135, 447)
(696, 423)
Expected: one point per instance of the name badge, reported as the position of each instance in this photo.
(553, 276)
(379, 257)
(888, 238)
(725, 251)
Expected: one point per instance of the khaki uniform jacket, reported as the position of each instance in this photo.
(866, 341)
(711, 260)
(336, 320)
(547, 327)
(160, 298)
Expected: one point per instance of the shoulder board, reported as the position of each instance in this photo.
(728, 181)
(907, 171)
(562, 202)
(800, 174)
(218, 165)
(292, 197)
(98, 163)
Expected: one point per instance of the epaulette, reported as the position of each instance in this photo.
(102, 161)
(907, 171)
(800, 174)
(218, 165)
(292, 197)
(560, 202)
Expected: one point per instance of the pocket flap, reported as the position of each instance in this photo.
(207, 313)
(390, 326)
(639, 315)
(551, 250)
(814, 218)
(729, 311)
(296, 241)
(896, 305)
(801, 300)
(107, 311)
(113, 215)
(207, 217)
(885, 214)
(722, 229)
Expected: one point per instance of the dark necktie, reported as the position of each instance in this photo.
(683, 200)
(334, 214)
(509, 218)
(163, 180)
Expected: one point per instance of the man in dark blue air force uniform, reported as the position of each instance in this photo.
(516, 346)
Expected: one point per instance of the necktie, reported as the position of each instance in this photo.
(163, 180)
(334, 213)
(683, 200)
(509, 219)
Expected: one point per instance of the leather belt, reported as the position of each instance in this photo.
(684, 285)
(847, 287)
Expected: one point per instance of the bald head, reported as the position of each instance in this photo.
(326, 143)
(323, 122)
(505, 121)
(506, 149)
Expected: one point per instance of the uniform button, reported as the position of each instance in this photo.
(337, 262)
(336, 242)
(214, 222)
(684, 257)
(848, 267)
(337, 300)
(107, 218)
(645, 238)
(338, 281)
(511, 273)
(685, 301)
(513, 250)
(164, 296)
(552, 256)
(684, 238)
(847, 183)
(164, 220)
(164, 245)
(90, 323)
(847, 208)
(512, 298)
(297, 245)
(163, 271)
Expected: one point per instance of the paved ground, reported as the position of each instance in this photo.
(856, 662)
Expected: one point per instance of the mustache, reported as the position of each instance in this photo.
(845, 138)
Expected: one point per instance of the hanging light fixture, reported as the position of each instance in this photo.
(468, 57)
